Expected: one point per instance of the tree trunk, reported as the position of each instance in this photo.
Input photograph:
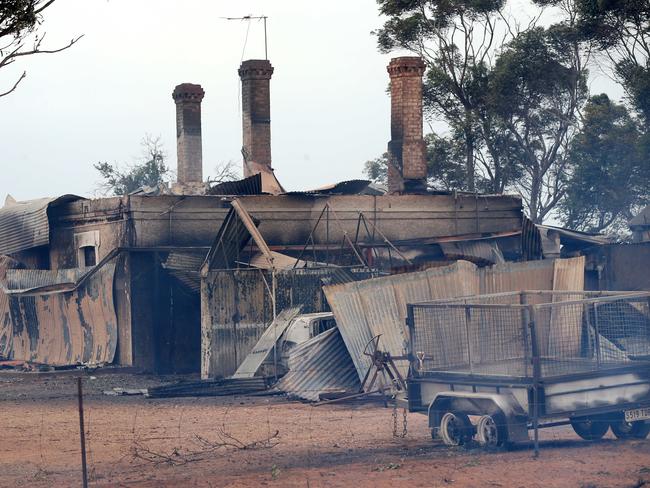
(469, 142)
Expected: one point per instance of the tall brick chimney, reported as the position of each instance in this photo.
(407, 171)
(255, 77)
(188, 98)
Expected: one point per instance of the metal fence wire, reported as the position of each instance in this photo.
(503, 334)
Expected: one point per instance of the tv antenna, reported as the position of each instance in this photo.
(252, 17)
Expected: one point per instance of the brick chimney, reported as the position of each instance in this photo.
(188, 98)
(255, 77)
(407, 171)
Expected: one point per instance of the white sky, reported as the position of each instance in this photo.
(329, 109)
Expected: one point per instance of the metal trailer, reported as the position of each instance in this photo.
(496, 366)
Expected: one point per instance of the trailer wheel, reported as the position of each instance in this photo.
(455, 429)
(590, 428)
(488, 433)
(631, 430)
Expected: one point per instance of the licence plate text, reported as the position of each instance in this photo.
(637, 414)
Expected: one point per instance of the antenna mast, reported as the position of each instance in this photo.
(252, 17)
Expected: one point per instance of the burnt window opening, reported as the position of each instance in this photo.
(89, 256)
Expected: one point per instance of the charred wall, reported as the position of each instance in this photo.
(619, 267)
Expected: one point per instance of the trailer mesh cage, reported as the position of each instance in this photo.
(530, 334)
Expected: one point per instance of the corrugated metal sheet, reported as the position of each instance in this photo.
(319, 365)
(280, 261)
(236, 308)
(6, 329)
(349, 187)
(235, 232)
(227, 246)
(266, 342)
(185, 267)
(24, 225)
(65, 328)
(479, 252)
(23, 280)
(378, 306)
(246, 186)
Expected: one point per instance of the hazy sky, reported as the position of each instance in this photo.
(96, 101)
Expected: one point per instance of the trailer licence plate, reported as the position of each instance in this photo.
(637, 414)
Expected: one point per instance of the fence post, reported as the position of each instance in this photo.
(597, 336)
(536, 375)
(82, 433)
(525, 320)
(468, 317)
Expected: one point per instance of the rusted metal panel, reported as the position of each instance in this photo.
(24, 225)
(378, 306)
(319, 365)
(6, 329)
(266, 343)
(237, 306)
(236, 309)
(68, 327)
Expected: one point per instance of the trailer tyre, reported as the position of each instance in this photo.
(590, 428)
(489, 433)
(631, 430)
(455, 429)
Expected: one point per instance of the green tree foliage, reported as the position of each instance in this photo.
(151, 171)
(536, 89)
(610, 180)
(445, 168)
(622, 30)
(510, 96)
(20, 21)
(457, 40)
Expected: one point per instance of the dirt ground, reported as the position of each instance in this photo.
(267, 441)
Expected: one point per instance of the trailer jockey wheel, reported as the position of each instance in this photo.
(590, 428)
(488, 433)
(455, 429)
(631, 430)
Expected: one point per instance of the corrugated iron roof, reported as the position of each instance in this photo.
(247, 186)
(24, 225)
(185, 267)
(319, 365)
(568, 236)
(231, 239)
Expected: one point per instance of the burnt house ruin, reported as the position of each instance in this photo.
(187, 278)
